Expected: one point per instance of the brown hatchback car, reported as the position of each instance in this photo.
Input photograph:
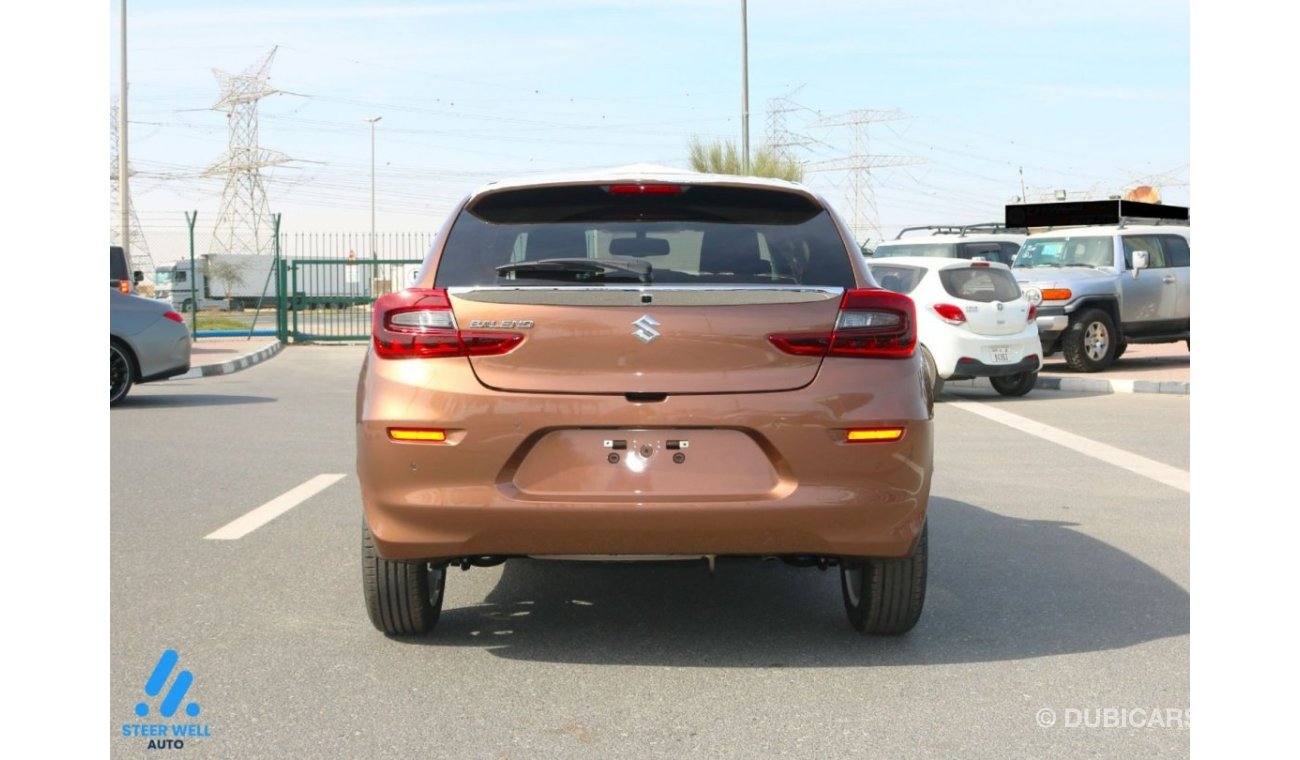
(644, 363)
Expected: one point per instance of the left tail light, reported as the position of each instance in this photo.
(419, 324)
(173, 316)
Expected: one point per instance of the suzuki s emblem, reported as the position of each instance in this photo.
(1000, 306)
(646, 331)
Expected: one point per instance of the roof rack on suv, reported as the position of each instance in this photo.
(1086, 213)
(964, 229)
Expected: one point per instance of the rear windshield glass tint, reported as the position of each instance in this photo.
(927, 250)
(980, 284)
(702, 235)
(900, 279)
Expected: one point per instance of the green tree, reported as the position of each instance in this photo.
(723, 157)
(228, 273)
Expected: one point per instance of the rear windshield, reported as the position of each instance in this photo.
(699, 235)
(980, 284)
(898, 278)
(1073, 251)
(928, 250)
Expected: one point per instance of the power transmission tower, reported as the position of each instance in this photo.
(140, 259)
(244, 222)
(865, 221)
(779, 137)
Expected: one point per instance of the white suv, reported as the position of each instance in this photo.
(975, 242)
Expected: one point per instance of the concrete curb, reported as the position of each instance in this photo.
(1092, 385)
(234, 365)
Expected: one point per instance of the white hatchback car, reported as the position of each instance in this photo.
(971, 319)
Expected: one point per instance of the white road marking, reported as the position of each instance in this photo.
(1157, 471)
(242, 526)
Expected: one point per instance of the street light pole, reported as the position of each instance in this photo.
(373, 256)
(123, 181)
(744, 86)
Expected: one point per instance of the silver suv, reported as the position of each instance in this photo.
(1109, 273)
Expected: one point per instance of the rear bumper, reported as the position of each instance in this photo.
(792, 486)
(975, 368)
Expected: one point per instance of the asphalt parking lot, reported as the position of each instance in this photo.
(1057, 620)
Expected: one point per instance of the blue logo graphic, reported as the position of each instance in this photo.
(161, 672)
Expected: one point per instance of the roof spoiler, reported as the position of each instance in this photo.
(1083, 213)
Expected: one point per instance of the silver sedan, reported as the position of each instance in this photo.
(147, 341)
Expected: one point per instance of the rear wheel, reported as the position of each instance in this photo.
(1015, 385)
(121, 372)
(402, 598)
(1090, 342)
(932, 371)
(885, 596)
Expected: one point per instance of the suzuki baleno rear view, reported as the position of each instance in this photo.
(644, 364)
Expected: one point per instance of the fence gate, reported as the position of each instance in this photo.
(330, 299)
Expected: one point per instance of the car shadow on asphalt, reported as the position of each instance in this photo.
(169, 400)
(1000, 588)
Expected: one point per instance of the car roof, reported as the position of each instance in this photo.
(934, 262)
(634, 173)
(1113, 229)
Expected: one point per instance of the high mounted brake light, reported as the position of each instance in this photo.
(419, 324)
(872, 324)
(645, 189)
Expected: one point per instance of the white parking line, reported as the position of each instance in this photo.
(1157, 471)
(242, 526)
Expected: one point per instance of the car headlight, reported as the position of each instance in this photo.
(1034, 296)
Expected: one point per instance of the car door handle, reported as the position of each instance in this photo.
(1168, 279)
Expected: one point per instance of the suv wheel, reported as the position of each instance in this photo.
(120, 373)
(1090, 342)
(885, 596)
(1015, 385)
(402, 598)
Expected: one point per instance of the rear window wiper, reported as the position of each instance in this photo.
(579, 269)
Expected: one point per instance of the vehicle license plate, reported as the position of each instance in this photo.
(1000, 354)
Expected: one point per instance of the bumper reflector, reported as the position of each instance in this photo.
(874, 435)
(418, 435)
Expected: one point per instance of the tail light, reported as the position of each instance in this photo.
(1033, 312)
(953, 315)
(651, 189)
(124, 286)
(173, 316)
(872, 324)
(419, 324)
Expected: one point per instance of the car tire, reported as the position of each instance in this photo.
(402, 598)
(932, 372)
(884, 597)
(1015, 385)
(1090, 342)
(121, 371)
(1119, 350)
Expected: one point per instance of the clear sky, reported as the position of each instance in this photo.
(1091, 98)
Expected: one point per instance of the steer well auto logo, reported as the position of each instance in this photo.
(166, 699)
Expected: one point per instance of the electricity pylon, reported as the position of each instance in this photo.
(865, 221)
(140, 259)
(244, 223)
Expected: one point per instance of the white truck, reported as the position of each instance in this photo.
(223, 281)
(240, 281)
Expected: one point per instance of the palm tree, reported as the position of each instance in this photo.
(722, 157)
